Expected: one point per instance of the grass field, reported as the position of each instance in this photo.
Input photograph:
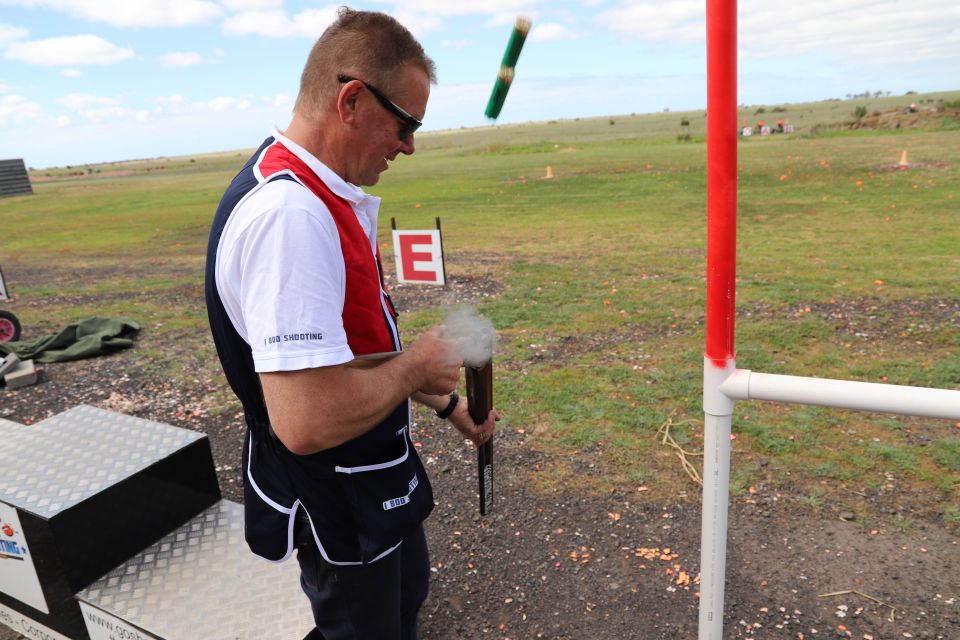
(849, 267)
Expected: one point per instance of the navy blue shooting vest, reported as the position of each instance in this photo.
(364, 496)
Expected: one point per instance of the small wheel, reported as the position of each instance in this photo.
(9, 327)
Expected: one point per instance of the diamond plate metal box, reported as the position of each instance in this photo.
(200, 581)
(88, 489)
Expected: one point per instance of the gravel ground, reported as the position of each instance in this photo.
(570, 565)
(573, 564)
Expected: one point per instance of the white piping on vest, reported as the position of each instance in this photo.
(381, 465)
(292, 513)
(256, 165)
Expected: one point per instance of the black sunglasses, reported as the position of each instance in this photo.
(410, 124)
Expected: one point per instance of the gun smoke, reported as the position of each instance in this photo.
(473, 332)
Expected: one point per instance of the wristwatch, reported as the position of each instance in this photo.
(444, 413)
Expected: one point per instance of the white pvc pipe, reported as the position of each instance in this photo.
(722, 386)
(713, 532)
(861, 396)
(718, 415)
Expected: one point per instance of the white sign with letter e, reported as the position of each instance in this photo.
(419, 256)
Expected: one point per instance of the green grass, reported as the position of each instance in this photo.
(952, 515)
(946, 453)
(847, 269)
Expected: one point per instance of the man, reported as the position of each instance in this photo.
(294, 294)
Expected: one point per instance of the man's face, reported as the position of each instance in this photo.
(378, 135)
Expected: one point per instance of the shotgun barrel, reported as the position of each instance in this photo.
(479, 382)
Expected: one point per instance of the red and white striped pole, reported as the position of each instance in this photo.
(719, 360)
(723, 383)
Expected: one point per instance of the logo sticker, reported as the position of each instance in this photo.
(393, 503)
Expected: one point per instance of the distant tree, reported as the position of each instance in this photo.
(859, 112)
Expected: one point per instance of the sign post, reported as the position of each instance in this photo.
(419, 256)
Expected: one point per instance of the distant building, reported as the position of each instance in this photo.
(14, 180)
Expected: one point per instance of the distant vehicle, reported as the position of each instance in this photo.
(9, 325)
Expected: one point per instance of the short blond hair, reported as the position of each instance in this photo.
(368, 45)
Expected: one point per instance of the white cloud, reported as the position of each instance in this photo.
(67, 51)
(551, 32)
(419, 24)
(175, 103)
(864, 31)
(313, 22)
(678, 20)
(42, 144)
(274, 24)
(454, 44)
(419, 16)
(503, 18)
(870, 32)
(128, 13)
(4, 88)
(448, 8)
(179, 105)
(114, 114)
(79, 101)
(63, 121)
(541, 99)
(10, 33)
(180, 59)
(281, 100)
(71, 73)
(97, 109)
(17, 109)
(309, 23)
(251, 5)
(457, 98)
(228, 103)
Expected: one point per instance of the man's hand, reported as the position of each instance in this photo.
(438, 362)
(320, 408)
(477, 433)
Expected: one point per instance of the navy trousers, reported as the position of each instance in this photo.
(364, 602)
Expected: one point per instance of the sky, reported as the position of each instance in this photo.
(85, 81)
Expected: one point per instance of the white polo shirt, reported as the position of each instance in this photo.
(280, 269)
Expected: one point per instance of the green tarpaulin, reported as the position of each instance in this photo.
(86, 339)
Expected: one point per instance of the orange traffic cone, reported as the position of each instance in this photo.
(903, 159)
(549, 174)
